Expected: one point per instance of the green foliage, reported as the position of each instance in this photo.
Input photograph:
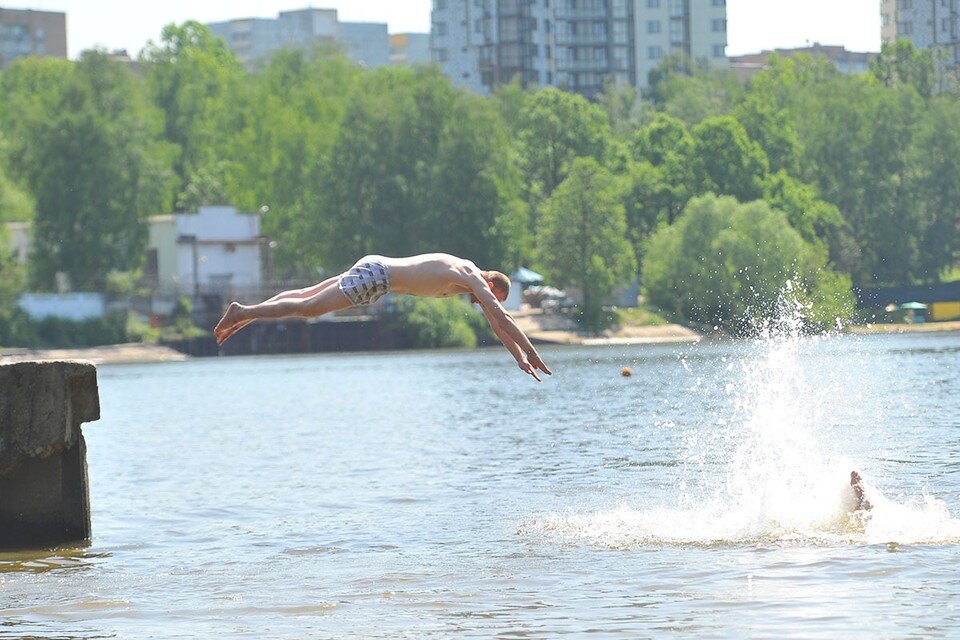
(16, 204)
(554, 127)
(901, 63)
(59, 333)
(641, 316)
(193, 78)
(726, 160)
(726, 264)
(865, 169)
(691, 90)
(437, 322)
(291, 114)
(583, 241)
(13, 322)
(90, 153)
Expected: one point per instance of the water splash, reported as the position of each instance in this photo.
(771, 469)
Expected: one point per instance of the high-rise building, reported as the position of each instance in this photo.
(251, 39)
(31, 33)
(928, 24)
(572, 44)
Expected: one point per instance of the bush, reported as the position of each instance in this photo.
(727, 264)
(436, 322)
(58, 333)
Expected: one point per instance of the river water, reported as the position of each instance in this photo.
(445, 494)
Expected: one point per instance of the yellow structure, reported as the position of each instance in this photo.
(944, 311)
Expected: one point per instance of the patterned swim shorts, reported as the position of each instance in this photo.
(366, 281)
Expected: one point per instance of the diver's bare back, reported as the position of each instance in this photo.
(433, 275)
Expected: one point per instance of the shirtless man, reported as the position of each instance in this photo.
(435, 275)
(859, 493)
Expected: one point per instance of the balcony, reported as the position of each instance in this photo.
(568, 39)
(581, 14)
(601, 66)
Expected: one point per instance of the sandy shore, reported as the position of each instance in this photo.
(556, 328)
(108, 354)
(916, 327)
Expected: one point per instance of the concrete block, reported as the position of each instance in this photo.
(44, 495)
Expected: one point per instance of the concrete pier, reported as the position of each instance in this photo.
(44, 497)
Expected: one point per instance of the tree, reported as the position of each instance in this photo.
(726, 160)
(727, 264)
(13, 322)
(937, 152)
(291, 111)
(192, 77)
(901, 63)
(582, 239)
(15, 203)
(691, 90)
(554, 128)
(668, 147)
(475, 202)
(93, 160)
(376, 186)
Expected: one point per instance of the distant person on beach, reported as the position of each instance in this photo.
(859, 493)
(435, 275)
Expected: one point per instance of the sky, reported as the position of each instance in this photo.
(752, 25)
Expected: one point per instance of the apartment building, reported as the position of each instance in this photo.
(31, 33)
(251, 39)
(928, 24)
(572, 44)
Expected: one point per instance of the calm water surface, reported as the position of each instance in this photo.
(445, 494)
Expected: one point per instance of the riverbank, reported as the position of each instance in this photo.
(916, 327)
(555, 328)
(543, 328)
(135, 352)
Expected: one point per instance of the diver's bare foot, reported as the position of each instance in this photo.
(856, 483)
(232, 330)
(228, 323)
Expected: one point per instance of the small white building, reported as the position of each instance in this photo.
(214, 251)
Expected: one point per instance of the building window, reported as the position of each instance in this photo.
(719, 3)
(439, 5)
(676, 31)
(442, 55)
(904, 4)
(718, 25)
(719, 51)
(653, 26)
(885, 20)
(439, 28)
(655, 52)
(905, 28)
(653, 4)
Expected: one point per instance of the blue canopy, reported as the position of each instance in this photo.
(526, 276)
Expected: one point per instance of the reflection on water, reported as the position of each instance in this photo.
(38, 561)
(443, 494)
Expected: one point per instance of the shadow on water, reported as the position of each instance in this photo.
(72, 558)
